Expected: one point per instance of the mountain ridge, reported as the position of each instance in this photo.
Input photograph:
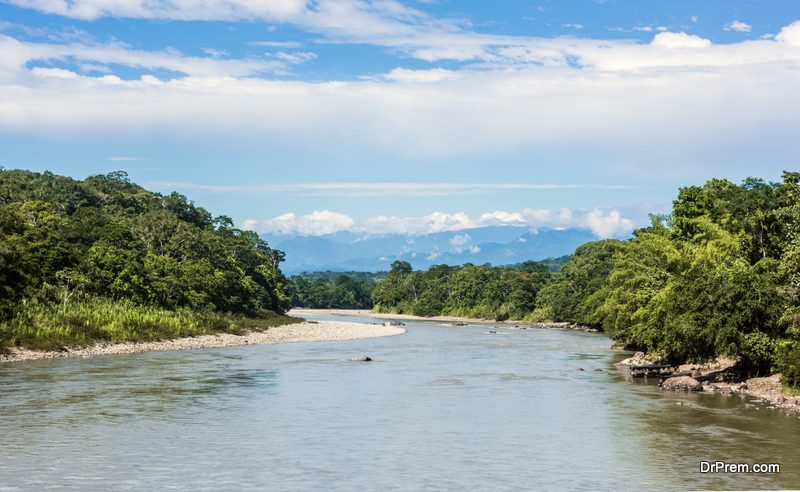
(498, 245)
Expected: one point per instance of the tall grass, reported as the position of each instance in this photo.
(51, 326)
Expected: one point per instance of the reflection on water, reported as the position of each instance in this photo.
(440, 408)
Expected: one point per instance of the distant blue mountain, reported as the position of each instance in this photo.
(498, 245)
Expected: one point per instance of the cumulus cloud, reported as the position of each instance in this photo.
(610, 224)
(676, 40)
(603, 223)
(317, 223)
(499, 217)
(790, 35)
(523, 96)
(738, 26)
(479, 112)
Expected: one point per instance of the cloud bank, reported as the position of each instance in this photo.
(603, 223)
(678, 101)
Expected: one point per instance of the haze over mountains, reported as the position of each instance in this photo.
(498, 245)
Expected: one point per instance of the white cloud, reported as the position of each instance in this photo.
(499, 217)
(432, 75)
(317, 223)
(475, 250)
(602, 222)
(738, 26)
(22, 53)
(678, 40)
(790, 35)
(628, 105)
(294, 58)
(459, 241)
(169, 9)
(605, 225)
(250, 225)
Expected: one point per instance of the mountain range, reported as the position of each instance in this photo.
(498, 245)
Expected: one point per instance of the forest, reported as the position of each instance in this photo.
(334, 290)
(720, 275)
(103, 259)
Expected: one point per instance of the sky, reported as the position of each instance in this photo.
(317, 116)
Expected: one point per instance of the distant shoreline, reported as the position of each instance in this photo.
(365, 313)
(293, 333)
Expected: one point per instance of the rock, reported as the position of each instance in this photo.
(492, 331)
(460, 323)
(360, 358)
(639, 359)
(681, 383)
(598, 370)
(579, 369)
(394, 323)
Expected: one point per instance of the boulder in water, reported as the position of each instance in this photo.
(681, 383)
(361, 358)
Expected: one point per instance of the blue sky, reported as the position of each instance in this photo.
(417, 116)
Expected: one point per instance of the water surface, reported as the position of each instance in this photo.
(440, 408)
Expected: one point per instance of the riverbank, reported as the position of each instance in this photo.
(308, 331)
(718, 377)
(365, 313)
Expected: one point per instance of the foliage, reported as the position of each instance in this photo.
(788, 363)
(329, 290)
(720, 275)
(64, 240)
(472, 291)
(572, 295)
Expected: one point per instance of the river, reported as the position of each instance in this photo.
(440, 408)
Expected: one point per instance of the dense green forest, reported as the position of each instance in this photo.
(470, 290)
(105, 259)
(354, 290)
(333, 290)
(720, 275)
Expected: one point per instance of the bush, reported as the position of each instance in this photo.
(788, 363)
(758, 351)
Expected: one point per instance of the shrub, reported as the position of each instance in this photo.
(788, 363)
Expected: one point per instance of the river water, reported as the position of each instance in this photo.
(440, 408)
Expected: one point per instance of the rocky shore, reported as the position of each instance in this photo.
(715, 377)
(309, 331)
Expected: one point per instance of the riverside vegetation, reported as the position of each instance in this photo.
(104, 260)
(334, 290)
(719, 276)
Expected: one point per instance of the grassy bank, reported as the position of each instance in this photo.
(52, 326)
